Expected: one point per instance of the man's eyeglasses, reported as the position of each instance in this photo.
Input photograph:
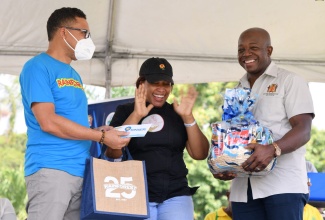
(86, 32)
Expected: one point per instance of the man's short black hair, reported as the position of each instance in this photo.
(62, 17)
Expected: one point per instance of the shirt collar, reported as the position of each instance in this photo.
(271, 70)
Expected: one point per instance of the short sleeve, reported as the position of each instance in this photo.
(298, 98)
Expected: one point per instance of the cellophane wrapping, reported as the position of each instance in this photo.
(237, 129)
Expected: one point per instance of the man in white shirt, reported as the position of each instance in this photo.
(285, 106)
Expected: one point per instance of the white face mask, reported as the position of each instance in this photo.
(84, 49)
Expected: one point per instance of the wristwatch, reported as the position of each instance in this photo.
(277, 149)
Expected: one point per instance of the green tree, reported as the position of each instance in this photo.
(315, 149)
(12, 149)
(11, 99)
(124, 91)
(13, 187)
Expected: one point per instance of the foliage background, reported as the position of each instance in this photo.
(210, 195)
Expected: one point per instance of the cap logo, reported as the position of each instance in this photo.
(162, 66)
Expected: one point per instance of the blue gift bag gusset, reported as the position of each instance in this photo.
(237, 129)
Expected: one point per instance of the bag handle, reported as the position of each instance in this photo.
(126, 155)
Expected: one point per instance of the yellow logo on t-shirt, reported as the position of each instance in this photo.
(69, 82)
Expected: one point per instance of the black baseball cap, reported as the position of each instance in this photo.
(157, 69)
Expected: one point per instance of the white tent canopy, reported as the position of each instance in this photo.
(199, 38)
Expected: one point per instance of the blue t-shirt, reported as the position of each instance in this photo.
(45, 79)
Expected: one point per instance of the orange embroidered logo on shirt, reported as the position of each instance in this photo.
(69, 82)
(272, 88)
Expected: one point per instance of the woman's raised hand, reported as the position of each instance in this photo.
(140, 107)
(185, 105)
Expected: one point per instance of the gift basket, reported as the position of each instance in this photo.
(237, 129)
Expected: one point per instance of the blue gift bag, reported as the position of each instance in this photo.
(114, 190)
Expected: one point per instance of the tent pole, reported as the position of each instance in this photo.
(108, 52)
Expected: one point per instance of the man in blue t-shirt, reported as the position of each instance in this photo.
(56, 115)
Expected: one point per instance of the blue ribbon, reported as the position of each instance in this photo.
(237, 105)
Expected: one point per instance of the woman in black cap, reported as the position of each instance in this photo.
(173, 129)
